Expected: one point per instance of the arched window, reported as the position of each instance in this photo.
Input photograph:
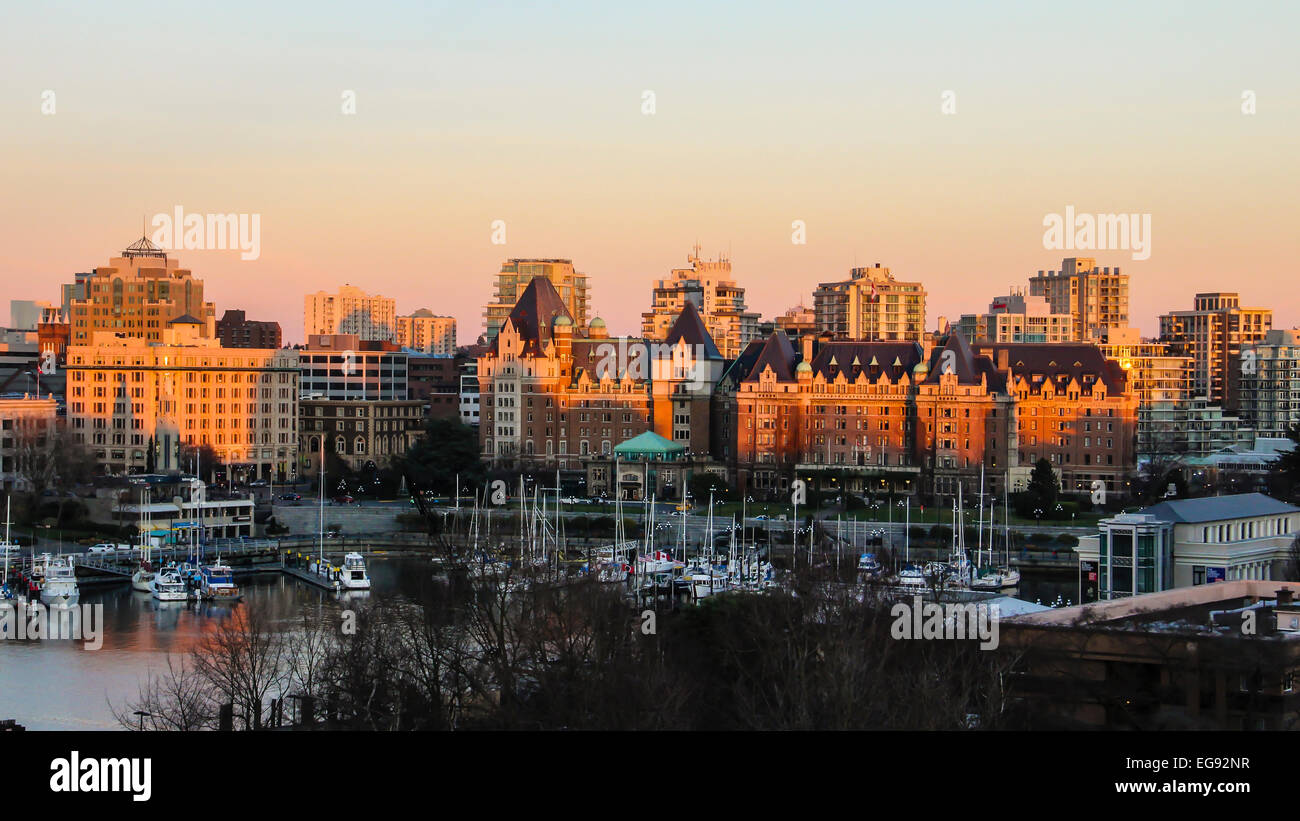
(360, 445)
(340, 445)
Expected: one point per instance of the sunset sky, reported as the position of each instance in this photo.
(765, 114)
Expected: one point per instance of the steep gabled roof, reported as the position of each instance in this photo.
(954, 355)
(690, 328)
(776, 352)
(534, 314)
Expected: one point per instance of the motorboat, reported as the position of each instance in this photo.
(217, 583)
(169, 587)
(59, 588)
(353, 575)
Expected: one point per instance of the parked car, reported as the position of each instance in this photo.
(343, 499)
(102, 547)
(291, 497)
(258, 483)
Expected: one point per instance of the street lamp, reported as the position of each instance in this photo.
(142, 714)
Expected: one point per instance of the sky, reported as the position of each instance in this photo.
(764, 114)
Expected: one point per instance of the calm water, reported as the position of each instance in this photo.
(59, 685)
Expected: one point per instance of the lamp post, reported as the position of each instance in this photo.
(142, 714)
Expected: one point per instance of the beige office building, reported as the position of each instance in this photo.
(350, 311)
(720, 302)
(1095, 298)
(138, 294)
(427, 332)
(128, 396)
(871, 305)
(513, 279)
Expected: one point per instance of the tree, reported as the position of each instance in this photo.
(206, 456)
(448, 448)
(1043, 487)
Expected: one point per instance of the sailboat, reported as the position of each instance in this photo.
(1004, 576)
(142, 578)
(6, 548)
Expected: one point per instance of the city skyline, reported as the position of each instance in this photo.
(470, 116)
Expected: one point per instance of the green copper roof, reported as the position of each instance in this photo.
(648, 442)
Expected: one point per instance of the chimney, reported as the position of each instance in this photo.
(806, 344)
(1284, 596)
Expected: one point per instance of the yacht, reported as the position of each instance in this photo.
(217, 582)
(59, 588)
(354, 576)
(169, 587)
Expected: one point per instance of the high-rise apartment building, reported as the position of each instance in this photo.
(136, 402)
(427, 332)
(871, 305)
(1018, 317)
(1213, 334)
(1096, 298)
(513, 279)
(1268, 383)
(720, 302)
(1161, 381)
(137, 294)
(350, 311)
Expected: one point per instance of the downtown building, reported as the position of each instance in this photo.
(514, 278)
(347, 367)
(1018, 317)
(1267, 383)
(372, 318)
(888, 417)
(136, 402)
(871, 305)
(1214, 334)
(27, 433)
(236, 330)
(1095, 298)
(137, 294)
(708, 286)
(359, 434)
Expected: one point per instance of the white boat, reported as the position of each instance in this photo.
(354, 576)
(1002, 578)
(704, 580)
(169, 587)
(59, 588)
